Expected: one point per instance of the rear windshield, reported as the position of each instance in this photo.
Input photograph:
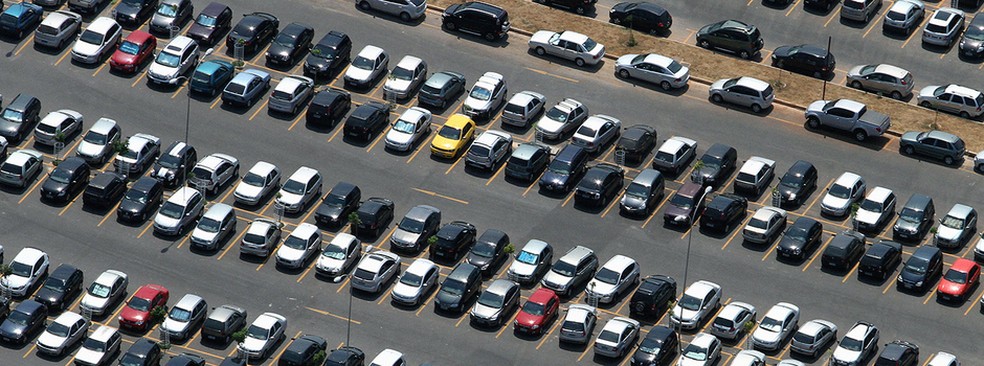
(896, 16)
(727, 323)
(237, 89)
(803, 338)
(854, 4)
(515, 109)
(745, 177)
(47, 29)
(518, 161)
(936, 28)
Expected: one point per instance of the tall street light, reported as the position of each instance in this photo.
(686, 265)
(188, 80)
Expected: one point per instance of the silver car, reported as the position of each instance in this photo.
(339, 256)
(944, 27)
(904, 15)
(58, 29)
(657, 69)
(881, 78)
(407, 10)
(953, 98)
(63, 123)
(846, 190)
(417, 281)
(578, 324)
(21, 167)
(744, 91)
(171, 13)
(522, 108)
(617, 337)
(730, 322)
(562, 118)
(374, 270)
(260, 238)
(408, 74)
(489, 149)
(811, 338)
(291, 94)
(860, 10)
(68, 329)
(596, 132)
(97, 144)
(496, 303)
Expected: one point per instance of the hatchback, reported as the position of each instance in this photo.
(643, 193)
(489, 149)
(184, 318)
(416, 227)
(922, 267)
(375, 215)
(857, 345)
(934, 144)
(291, 94)
(860, 10)
(899, 353)
(459, 288)
(105, 190)
(882, 78)
(341, 200)
(370, 64)
(972, 41)
(23, 322)
(374, 270)
(715, 165)
(477, 18)
(407, 10)
(98, 39)
(944, 27)
(69, 178)
(246, 88)
(222, 322)
(731, 322)
(617, 337)
(489, 251)
(800, 240)
(531, 262)
(880, 261)
(290, 45)
(743, 91)
(174, 61)
(300, 189)
(215, 226)
(522, 108)
(537, 313)
(62, 334)
(959, 281)
(495, 303)
(674, 155)
(179, 212)
(453, 240)
(339, 257)
(528, 161)
(812, 337)
(408, 74)
(755, 175)
(617, 276)
(213, 21)
(328, 106)
(686, 205)
(578, 324)
(564, 170)
(19, 117)
(600, 185)
(798, 182)
(957, 227)
(643, 16)
(441, 89)
(304, 350)
(141, 200)
(573, 269)
(843, 250)
(171, 13)
(416, 283)
(367, 120)
(806, 58)
(723, 212)
(904, 16)
(211, 77)
(58, 29)
(100, 347)
(848, 189)
(19, 18)
(636, 142)
(299, 247)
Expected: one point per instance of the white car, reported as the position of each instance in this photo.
(749, 358)
(857, 345)
(495, 303)
(374, 270)
(876, 209)
(618, 275)
(369, 64)
(697, 303)
(141, 149)
(489, 149)
(97, 40)
(944, 27)
(767, 223)
(97, 145)
(777, 325)
(339, 256)
(578, 324)
(743, 91)
(262, 179)
(185, 316)
(755, 175)
(299, 246)
(64, 122)
(703, 350)
(562, 118)
(730, 322)
(21, 167)
(944, 359)
(567, 45)
(813, 337)
(415, 282)
(657, 69)
(846, 190)
(597, 132)
(674, 154)
(217, 224)
(522, 107)
(67, 329)
(213, 172)
(27, 269)
(617, 337)
(959, 224)
(263, 334)
(291, 94)
(408, 129)
(408, 74)
(303, 186)
(107, 289)
(100, 347)
(174, 61)
(531, 261)
(979, 162)
(488, 93)
(388, 357)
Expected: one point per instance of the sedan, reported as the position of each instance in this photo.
(674, 155)
(657, 69)
(806, 58)
(23, 321)
(812, 337)
(299, 246)
(290, 45)
(601, 184)
(408, 129)
(801, 239)
(496, 302)
(106, 290)
(537, 313)
(958, 281)
(441, 89)
(777, 325)
(21, 167)
(246, 87)
(417, 281)
(703, 350)
(857, 345)
(20, 18)
(266, 332)
(369, 64)
(69, 178)
(67, 330)
(453, 137)
(60, 288)
(252, 31)
(375, 270)
(697, 303)
(643, 16)
(567, 45)
(636, 142)
(617, 337)
(845, 191)
(722, 212)
(339, 256)
(597, 132)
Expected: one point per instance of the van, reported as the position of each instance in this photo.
(458, 288)
(179, 212)
(216, 224)
(565, 169)
(642, 195)
(19, 117)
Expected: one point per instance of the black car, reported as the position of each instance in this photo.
(24, 321)
(328, 106)
(527, 161)
(214, 20)
(366, 120)
(732, 36)
(643, 194)
(722, 212)
(843, 250)
(915, 218)
(458, 288)
(659, 347)
(826, 5)
(441, 89)
(302, 351)
(899, 353)
(346, 356)
(715, 165)
(922, 267)
(805, 58)
(340, 201)
(798, 182)
(478, 18)
(972, 42)
(565, 169)
(653, 296)
(642, 16)
(143, 352)
(104, 190)
(141, 200)
(489, 251)
(131, 13)
(374, 215)
(290, 44)
(252, 31)
(329, 54)
(577, 6)
(61, 288)
(234, 360)
(637, 142)
(69, 177)
(801, 238)
(600, 185)
(880, 260)
(175, 162)
(186, 359)
(19, 117)
(453, 240)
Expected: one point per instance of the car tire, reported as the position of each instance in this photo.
(404, 16)
(579, 10)
(490, 37)
(908, 150)
(450, 26)
(896, 95)
(717, 98)
(579, 62)
(856, 84)
(926, 104)
(623, 73)
(540, 51)
(745, 54)
(778, 63)
(665, 85)
(364, 5)
(948, 160)
(964, 115)
(860, 135)
(615, 21)
(813, 123)
(756, 108)
(703, 43)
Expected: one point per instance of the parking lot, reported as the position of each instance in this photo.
(94, 241)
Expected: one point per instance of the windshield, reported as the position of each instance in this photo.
(99, 290)
(527, 257)
(490, 299)
(334, 252)
(689, 302)
(136, 196)
(210, 225)
(910, 215)
(168, 59)
(20, 269)
(564, 269)
(293, 186)
(557, 115)
(791, 181)
(55, 284)
(131, 359)
(129, 153)
(129, 48)
(180, 314)
(674, 67)
(206, 20)
(650, 346)
(91, 37)
(586, 131)
(12, 115)
(975, 33)
(402, 74)
(403, 126)
(589, 44)
(840, 191)
(695, 352)
(607, 276)
(323, 51)
(480, 93)
(92, 344)
(797, 234)
(294, 242)
(449, 132)
(285, 40)
(18, 318)
(533, 308)
(257, 333)
(363, 63)
(559, 167)
(916, 266)
(636, 190)
(172, 210)
(953, 222)
(711, 163)
(484, 249)
(58, 329)
(62, 176)
(955, 276)
(254, 179)
(771, 324)
(139, 304)
(95, 138)
(168, 10)
(453, 287)
(411, 225)
(803, 338)
(872, 206)
(681, 201)
(851, 344)
(411, 279)
(169, 161)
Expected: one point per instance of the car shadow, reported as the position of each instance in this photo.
(554, 60)
(756, 247)
(655, 87)
(236, 109)
(499, 43)
(775, 4)
(939, 49)
(482, 173)
(602, 360)
(923, 159)
(763, 113)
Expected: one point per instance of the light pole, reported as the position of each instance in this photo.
(188, 80)
(686, 265)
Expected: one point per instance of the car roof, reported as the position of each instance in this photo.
(918, 202)
(902, 6)
(647, 177)
(214, 8)
(941, 135)
(266, 320)
(753, 83)
(458, 121)
(305, 230)
(755, 164)
(64, 270)
(421, 212)
(138, 141)
(881, 248)
(102, 333)
(703, 340)
(409, 62)
(387, 357)
(781, 310)
(500, 286)
(20, 157)
(141, 346)
(535, 246)
(462, 271)
(29, 255)
(942, 359)
(101, 25)
(656, 59)
(800, 167)
(179, 44)
(262, 168)
(890, 70)
(892, 351)
(925, 253)
(850, 105)
(701, 288)
(812, 50)
(413, 114)
(218, 211)
(858, 330)
(440, 78)
(371, 52)
(732, 310)
(596, 121)
(960, 211)
(294, 29)
(108, 276)
(188, 301)
(942, 16)
(675, 143)
(878, 194)
(579, 312)
(525, 151)
(490, 137)
(575, 254)
(103, 125)
(524, 97)
(731, 23)
(244, 77)
(374, 261)
(148, 291)
(490, 77)
(812, 327)
(223, 312)
(489, 8)
(847, 179)
(176, 148)
(290, 83)
(618, 323)
(844, 238)
(56, 117)
(568, 104)
(963, 265)
(572, 36)
(183, 195)
(451, 230)
(303, 174)
(541, 296)
(718, 150)
(144, 184)
(260, 226)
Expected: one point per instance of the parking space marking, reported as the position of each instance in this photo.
(690, 33)
(534, 183)
(497, 172)
(625, 302)
(834, 15)
(854, 269)
(464, 316)
(33, 188)
(144, 231)
(749, 3)
(818, 253)
(298, 119)
(336, 316)
(735, 234)
(435, 194)
(379, 137)
(69, 204)
(569, 196)
(612, 204)
(23, 46)
(541, 72)
(338, 128)
(587, 347)
(508, 324)
(792, 7)
(942, 55)
(183, 241)
(267, 259)
(262, 107)
(67, 51)
(818, 193)
(388, 292)
(347, 279)
(929, 295)
(711, 319)
(30, 350)
(772, 247)
(921, 26)
(215, 103)
(231, 244)
(655, 211)
(546, 335)
(101, 67)
(180, 88)
(881, 18)
(972, 303)
(423, 305)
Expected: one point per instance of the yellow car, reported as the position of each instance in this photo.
(453, 138)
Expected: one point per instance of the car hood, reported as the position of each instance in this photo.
(867, 217)
(906, 225)
(161, 20)
(356, 73)
(49, 295)
(52, 186)
(398, 137)
(132, 206)
(926, 92)
(6, 125)
(334, 212)
(279, 50)
(289, 254)
(522, 269)
(764, 335)
(552, 178)
(127, 9)
(948, 287)
(89, 356)
(174, 325)
(288, 198)
(446, 298)
(477, 103)
(676, 212)
(834, 202)
(642, 358)
(709, 172)
(690, 362)
(85, 49)
(163, 172)
(397, 84)
(633, 201)
(402, 236)
(123, 58)
(911, 276)
(526, 319)
(253, 344)
(442, 142)
(948, 233)
(477, 260)
(403, 290)
(601, 288)
(844, 354)
(15, 281)
(718, 85)
(51, 340)
(12, 329)
(165, 221)
(89, 149)
(204, 235)
(624, 60)
(132, 314)
(248, 190)
(199, 30)
(971, 44)
(541, 37)
(486, 312)
(980, 245)
(855, 71)
(816, 106)
(162, 70)
(93, 302)
(685, 314)
(557, 278)
(549, 125)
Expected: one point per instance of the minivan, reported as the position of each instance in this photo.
(528, 160)
(685, 205)
(565, 169)
(457, 290)
(19, 117)
(216, 224)
(915, 218)
(179, 212)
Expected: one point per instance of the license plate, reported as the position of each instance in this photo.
(353, 134)
(209, 336)
(907, 285)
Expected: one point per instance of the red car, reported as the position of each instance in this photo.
(136, 313)
(538, 311)
(133, 52)
(959, 280)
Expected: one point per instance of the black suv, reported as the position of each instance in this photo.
(826, 5)
(798, 182)
(69, 177)
(61, 288)
(104, 190)
(899, 353)
(366, 120)
(732, 36)
(340, 201)
(478, 18)
(453, 240)
(143, 352)
(843, 250)
(715, 165)
(374, 215)
(915, 218)
(328, 106)
(329, 54)
(653, 296)
(922, 267)
(880, 260)
(577, 6)
(133, 13)
(637, 142)
(173, 165)
(805, 58)
(463, 284)
(600, 185)
(303, 351)
(801, 238)
(141, 200)
(723, 211)
(489, 251)
(19, 117)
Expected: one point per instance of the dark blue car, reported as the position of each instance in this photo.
(211, 77)
(20, 18)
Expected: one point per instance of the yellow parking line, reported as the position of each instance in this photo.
(284, 347)
(71, 148)
(818, 253)
(30, 350)
(27, 42)
(139, 77)
(464, 316)
(541, 72)
(972, 303)
(818, 194)
(262, 107)
(180, 88)
(929, 295)
(183, 241)
(216, 102)
(423, 305)
(381, 136)
(298, 119)
(497, 172)
(68, 50)
(435, 194)
(546, 335)
(149, 224)
(347, 279)
(69, 204)
(569, 196)
(338, 129)
(836, 13)
(99, 69)
(231, 244)
(655, 211)
(925, 20)
(450, 168)
(267, 259)
(611, 205)
(769, 252)
(735, 234)
(508, 324)
(534, 183)
(848, 275)
(792, 7)
(590, 346)
(33, 188)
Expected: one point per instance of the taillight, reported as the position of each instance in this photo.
(878, 129)
(904, 82)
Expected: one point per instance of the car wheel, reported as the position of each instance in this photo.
(756, 108)
(703, 43)
(948, 160)
(665, 85)
(813, 123)
(817, 74)
(540, 51)
(579, 10)
(490, 37)
(925, 104)
(623, 73)
(909, 150)
(856, 84)
(717, 98)
(364, 5)
(615, 20)
(860, 135)
(404, 16)
(579, 62)
(896, 95)
(964, 115)
(745, 54)
(778, 63)
(450, 26)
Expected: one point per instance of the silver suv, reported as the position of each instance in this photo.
(576, 267)
(881, 78)
(407, 10)
(860, 10)
(953, 98)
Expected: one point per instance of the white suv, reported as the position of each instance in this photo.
(213, 172)
(180, 211)
(100, 38)
(875, 210)
(174, 61)
(488, 93)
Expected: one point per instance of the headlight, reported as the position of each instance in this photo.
(919, 284)
(792, 196)
(486, 266)
(797, 251)
(535, 326)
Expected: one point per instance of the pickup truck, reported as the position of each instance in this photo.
(847, 115)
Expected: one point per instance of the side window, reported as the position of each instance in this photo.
(969, 102)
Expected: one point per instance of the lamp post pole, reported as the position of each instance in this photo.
(188, 106)
(686, 265)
